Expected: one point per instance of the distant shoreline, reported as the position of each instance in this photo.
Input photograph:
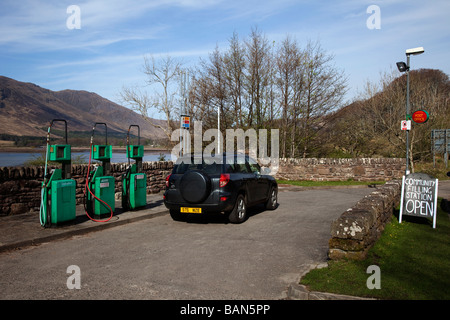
(73, 149)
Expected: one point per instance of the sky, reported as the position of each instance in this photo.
(99, 45)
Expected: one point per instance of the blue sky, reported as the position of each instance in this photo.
(107, 52)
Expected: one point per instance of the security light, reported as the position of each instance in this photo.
(402, 67)
(415, 51)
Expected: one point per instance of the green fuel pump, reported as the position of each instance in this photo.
(58, 202)
(99, 196)
(134, 181)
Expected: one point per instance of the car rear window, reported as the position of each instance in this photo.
(208, 165)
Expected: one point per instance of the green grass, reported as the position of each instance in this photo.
(414, 262)
(305, 183)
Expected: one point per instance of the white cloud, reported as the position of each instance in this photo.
(115, 35)
(41, 25)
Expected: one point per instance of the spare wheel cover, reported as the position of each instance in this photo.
(195, 186)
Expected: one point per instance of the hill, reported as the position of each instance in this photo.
(27, 109)
(370, 127)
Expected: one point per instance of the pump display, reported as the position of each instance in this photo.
(134, 180)
(99, 187)
(58, 202)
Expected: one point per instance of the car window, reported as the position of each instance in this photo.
(241, 168)
(208, 165)
(254, 166)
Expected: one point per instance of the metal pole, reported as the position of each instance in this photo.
(181, 115)
(218, 131)
(433, 148)
(407, 113)
(446, 132)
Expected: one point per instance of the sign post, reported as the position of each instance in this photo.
(185, 141)
(419, 196)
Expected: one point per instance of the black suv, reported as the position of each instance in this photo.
(202, 185)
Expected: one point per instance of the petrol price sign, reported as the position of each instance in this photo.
(185, 121)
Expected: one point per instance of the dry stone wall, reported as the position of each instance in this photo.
(20, 187)
(329, 169)
(358, 228)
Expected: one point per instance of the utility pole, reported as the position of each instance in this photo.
(402, 67)
(184, 116)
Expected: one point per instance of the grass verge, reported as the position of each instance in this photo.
(414, 262)
(306, 183)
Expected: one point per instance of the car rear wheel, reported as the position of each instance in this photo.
(239, 212)
(271, 203)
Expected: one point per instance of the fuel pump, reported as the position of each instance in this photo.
(99, 187)
(134, 180)
(58, 202)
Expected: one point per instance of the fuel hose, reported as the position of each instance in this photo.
(86, 186)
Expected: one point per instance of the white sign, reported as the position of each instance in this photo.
(104, 184)
(406, 124)
(419, 196)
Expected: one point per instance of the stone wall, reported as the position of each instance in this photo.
(20, 187)
(358, 228)
(328, 169)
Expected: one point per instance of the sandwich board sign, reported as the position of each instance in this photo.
(419, 196)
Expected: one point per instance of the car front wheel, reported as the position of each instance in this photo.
(239, 212)
(271, 203)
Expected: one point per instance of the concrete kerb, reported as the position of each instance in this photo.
(28, 233)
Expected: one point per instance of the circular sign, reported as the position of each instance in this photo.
(420, 116)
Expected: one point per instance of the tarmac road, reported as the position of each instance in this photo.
(159, 258)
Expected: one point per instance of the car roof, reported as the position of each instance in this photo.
(213, 157)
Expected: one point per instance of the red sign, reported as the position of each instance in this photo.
(420, 116)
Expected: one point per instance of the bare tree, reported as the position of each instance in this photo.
(287, 66)
(234, 64)
(161, 75)
(255, 85)
(375, 118)
(324, 90)
(257, 49)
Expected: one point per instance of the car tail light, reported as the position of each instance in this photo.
(223, 198)
(167, 180)
(224, 179)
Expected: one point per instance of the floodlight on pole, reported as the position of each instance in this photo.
(404, 67)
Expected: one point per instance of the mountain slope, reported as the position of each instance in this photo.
(27, 109)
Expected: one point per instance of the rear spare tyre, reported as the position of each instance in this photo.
(195, 186)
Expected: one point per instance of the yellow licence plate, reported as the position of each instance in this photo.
(191, 210)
